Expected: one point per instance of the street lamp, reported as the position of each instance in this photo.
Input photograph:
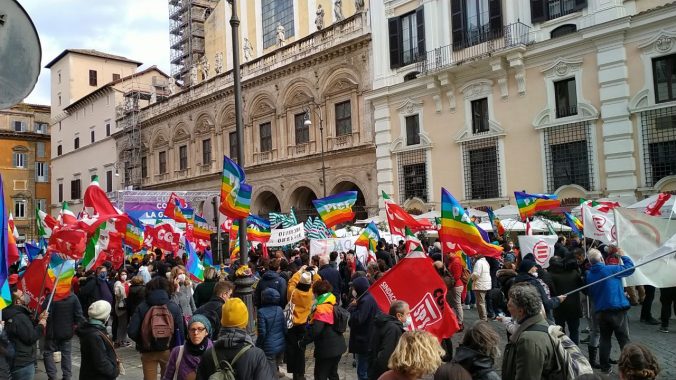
(308, 123)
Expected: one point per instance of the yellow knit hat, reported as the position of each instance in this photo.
(234, 314)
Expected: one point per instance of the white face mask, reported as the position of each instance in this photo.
(123, 277)
(181, 277)
(534, 274)
(408, 322)
(354, 293)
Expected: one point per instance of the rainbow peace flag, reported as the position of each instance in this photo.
(257, 229)
(194, 265)
(133, 237)
(201, 230)
(495, 222)
(336, 209)
(61, 272)
(458, 229)
(233, 243)
(235, 194)
(369, 237)
(574, 223)
(529, 204)
(5, 295)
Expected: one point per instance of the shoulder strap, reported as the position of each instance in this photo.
(109, 342)
(538, 327)
(231, 362)
(178, 361)
(240, 353)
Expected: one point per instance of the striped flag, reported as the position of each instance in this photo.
(5, 295)
(530, 204)
(61, 273)
(202, 229)
(574, 223)
(235, 193)
(495, 222)
(413, 244)
(369, 237)
(194, 265)
(104, 238)
(279, 220)
(45, 222)
(257, 229)
(133, 237)
(336, 209)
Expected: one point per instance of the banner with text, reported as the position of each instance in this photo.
(286, 236)
(541, 246)
(326, 246)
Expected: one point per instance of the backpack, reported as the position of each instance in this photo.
(570, 362)
(340, 318)
(157, 328)
(224, 368)
(465, 275)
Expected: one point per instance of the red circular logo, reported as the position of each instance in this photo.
(599, 222)
(541, 252)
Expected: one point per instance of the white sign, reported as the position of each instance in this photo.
(286, 236)
(599, 225)
(323, 247)
(541, 246)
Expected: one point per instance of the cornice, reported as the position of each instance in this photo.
(25, 136)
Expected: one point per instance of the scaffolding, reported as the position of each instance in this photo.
(186, 35)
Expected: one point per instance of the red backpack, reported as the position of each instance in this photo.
(157, 329)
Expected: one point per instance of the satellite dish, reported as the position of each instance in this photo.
(21, 54)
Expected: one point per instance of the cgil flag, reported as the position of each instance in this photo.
(30, 282)
(530, 204)
(413, 244)
(398, 220)
(369, 237)
(336, 209)
(235, 193)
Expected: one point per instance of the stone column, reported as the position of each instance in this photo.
(383, 140)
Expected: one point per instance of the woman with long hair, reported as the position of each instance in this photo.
(475, 356)
(182, 291)
(417, 354)
(637, 362)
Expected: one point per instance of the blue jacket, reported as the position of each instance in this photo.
(361, 317)
(330, 274)
(609, 294)
(271, 279)
(271, 326)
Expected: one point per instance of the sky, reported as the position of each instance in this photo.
(136, 29)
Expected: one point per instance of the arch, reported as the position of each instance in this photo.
(666, 184)
(180, 132)
(571, 191)
(263, 103)
(226, 116)
(204, 124)
(159, 138)
(415, 206)
(338, 79)
(298, 92)
(359, 207)
(301, 200)
(265, 202)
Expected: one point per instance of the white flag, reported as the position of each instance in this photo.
(541, 246)
(643, 237)
(599, 225)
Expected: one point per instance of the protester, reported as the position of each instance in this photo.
(137, 293)
(121, 289)
(566, 277)
(388, 328)
(5, 356)
(508, 254)
(271, 327)
(528, 273)
(330, 274)
(153, 347)
(610, 303)
(64, 315)
(417, 354)
(455, 269)
(271, 279)
(382, 254)
(182, 294)
(99, 360)
(476, 355)
(22, 335)
(647, 305)
(529, 353)
(638, 363)
(183, 361)
(362, 312)
(668, 300)
(204, 290)
(505, 277)
(96, 288)
(300, 297)
(235, 346)
(146, 268)
(481, 284)
(329, 343)
(212, 309)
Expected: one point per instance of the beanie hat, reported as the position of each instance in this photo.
(99, 310)
(199, 318)
(234, 314)
(306, 278)
(529, 256)
(360, 285)
(526, 266)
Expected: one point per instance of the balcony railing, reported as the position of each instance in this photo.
(559, 8)
(565, 111)
(476, 45)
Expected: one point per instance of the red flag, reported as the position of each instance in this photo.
(654, 209)
(31, 281)
(68, 241)
(427, 299)
(170, 210)
(400, 219)
(162, 236)
(96, 202)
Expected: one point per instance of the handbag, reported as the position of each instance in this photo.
(288, 311)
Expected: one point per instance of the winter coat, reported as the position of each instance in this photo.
(22, 333)
(187, 365)
(331, 275)
(271, 324)
(387, 331)
(64, 315)
(137, 293)
(183, 298)
(271, 279)
(301, 298)
(155, 298)
(385, 256)
(529, 355)
(455, 268)
(476, 363)
(90, 292)
(481, 275)
(609, 295)
(4, 365)
(120, 295)
(204, 291)
(251, 365)
(328, 342)
(213, 311)
(566, 280)
(550, 303)
(99, 360)
(361, 319)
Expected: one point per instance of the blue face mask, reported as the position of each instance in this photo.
(103, 276)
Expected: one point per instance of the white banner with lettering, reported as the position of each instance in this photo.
(286, 236)
(326, 246)
(541, 246)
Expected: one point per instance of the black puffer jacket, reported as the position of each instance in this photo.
(361, 318)
(4, 365)
(566, 278)
(271, 279)
(387, 331)
(98, 356)
(90, 292)
(212, 310)
(22, 333)
(550, 303)
(251, 365)
(64, 315)
(137, 293)
(204, 291)
(155, 298)
(476, 363)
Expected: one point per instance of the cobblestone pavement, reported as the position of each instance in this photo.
(663, 345)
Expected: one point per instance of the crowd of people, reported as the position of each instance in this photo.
(188, 330)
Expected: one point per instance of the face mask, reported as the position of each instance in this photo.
(354, 293)
(408, 322)
(511, 245)
(181, 277)
(123, 277)
(534, 274)
(103, 275)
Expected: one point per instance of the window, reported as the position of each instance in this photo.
(41, 171)
(664, 76)
(59, 98)
(59, 76)
(566, 98)
(266, 137)
(407, 38)
(40, 149)
(475, 21)
(116, 76)
(163, 162)
(59, 150)
(76, 143)
(659, 144)
(343, 118)
(183, 157)
(206, 151)
(276, 12)
(40, 128)
(20, 206)
(412, 174)
(60, 192)
(144, 167)
(482, 168)
(92, 77)
(92, 135)
(20, 160)
(569, 156)
(232, 140)
(301, 131)
(412, 130)
(109, 181)
(543, 10)
(41, 204)
(19, 126)
(479, 115)
(563, 30)
(107, 129)
(75, 189)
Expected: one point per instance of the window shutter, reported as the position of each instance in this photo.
(537, 11)
(395, 38)
(457, 24)
(495, 17)
(580, 4)
(420, 24)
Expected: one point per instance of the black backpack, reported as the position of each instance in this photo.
(340, 319)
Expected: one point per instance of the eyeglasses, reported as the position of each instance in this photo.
(197, 329)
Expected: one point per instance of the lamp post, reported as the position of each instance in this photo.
(308, 123)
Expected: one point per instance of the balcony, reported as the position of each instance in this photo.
(300, 150)
(343, 141)
(206, 168)
(265, 157)
(179, 174)
(566, 110)
(476, 45)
